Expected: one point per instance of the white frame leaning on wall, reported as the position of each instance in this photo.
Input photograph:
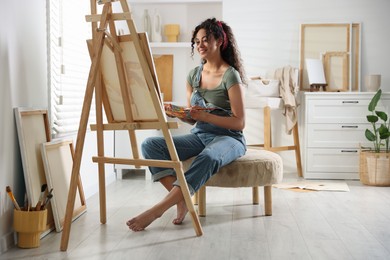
(33, 129)
(57, 157)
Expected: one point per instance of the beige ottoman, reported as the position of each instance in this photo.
(256, 168)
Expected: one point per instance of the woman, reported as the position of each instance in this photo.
(217, 139)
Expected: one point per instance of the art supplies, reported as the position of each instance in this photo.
(48, 198)
(11, 195)
(41, 198)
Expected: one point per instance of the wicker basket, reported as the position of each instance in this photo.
(374, 168)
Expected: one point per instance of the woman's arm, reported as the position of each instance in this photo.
(234, 122)
(188, 94)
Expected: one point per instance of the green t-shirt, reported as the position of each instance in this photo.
(217, 96)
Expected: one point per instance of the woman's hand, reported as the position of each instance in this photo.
(197, 113)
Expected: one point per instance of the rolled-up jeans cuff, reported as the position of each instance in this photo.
(192, 191)
(162, 174)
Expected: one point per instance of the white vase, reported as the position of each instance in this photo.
(147, 23)
(156, 27)
(373, 82)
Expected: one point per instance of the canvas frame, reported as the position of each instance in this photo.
(33, 129)
(57, 157)
(317, 39)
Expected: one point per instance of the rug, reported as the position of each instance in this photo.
(313, 186)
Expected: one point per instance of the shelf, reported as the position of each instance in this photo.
(170, 44)
(173, 1)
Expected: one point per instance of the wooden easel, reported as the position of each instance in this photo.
(130, 117)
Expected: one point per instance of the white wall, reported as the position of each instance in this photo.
(267, 33)
(23, 83)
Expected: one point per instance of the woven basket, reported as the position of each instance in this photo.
(374, 168)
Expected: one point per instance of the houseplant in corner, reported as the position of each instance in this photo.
(375, 163)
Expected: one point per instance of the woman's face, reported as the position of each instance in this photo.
(207, 47)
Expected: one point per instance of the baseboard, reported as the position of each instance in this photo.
(7, 242)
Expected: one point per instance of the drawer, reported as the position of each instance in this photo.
(337, 135)
(337, 111)
(332, 160)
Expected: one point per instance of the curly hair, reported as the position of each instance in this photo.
(229, 49)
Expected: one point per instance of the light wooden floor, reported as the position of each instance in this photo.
(310, 225)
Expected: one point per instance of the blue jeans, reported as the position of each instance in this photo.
(211, 151)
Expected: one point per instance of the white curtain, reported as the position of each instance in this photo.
(68, 62)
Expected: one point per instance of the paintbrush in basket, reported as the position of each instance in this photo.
(48, 198)
(41, 198)
(11, 195)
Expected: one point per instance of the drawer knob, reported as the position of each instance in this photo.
(350, 102)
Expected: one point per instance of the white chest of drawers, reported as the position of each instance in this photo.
(332, 126)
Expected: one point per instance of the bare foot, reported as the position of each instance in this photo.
(181, 213)
(143, 220)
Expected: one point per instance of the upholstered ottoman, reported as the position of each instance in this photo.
(256, 168)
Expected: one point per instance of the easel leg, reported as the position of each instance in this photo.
(100, 150)
(98, 46)
(188, 201)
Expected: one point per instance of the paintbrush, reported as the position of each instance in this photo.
(25, 202)
(41, 198)
(11, 195)
(48, 198)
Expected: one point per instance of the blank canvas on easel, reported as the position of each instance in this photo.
(141, 102)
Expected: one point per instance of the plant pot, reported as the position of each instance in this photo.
(375, 168)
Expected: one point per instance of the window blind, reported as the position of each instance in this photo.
(69, 63)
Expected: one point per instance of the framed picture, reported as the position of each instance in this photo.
(58, 162)
(33, 129)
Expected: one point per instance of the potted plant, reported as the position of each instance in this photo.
(375, 163)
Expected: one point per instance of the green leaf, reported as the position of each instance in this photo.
(383, 129)
(382, 115)
(370, 136)
(383, 132)
(384, 136)
(372, 118)
(374, 101)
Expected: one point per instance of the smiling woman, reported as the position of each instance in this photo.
(216, 139)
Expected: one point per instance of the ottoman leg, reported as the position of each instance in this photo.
(268, 200)
(255, 195)
(202, 201)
